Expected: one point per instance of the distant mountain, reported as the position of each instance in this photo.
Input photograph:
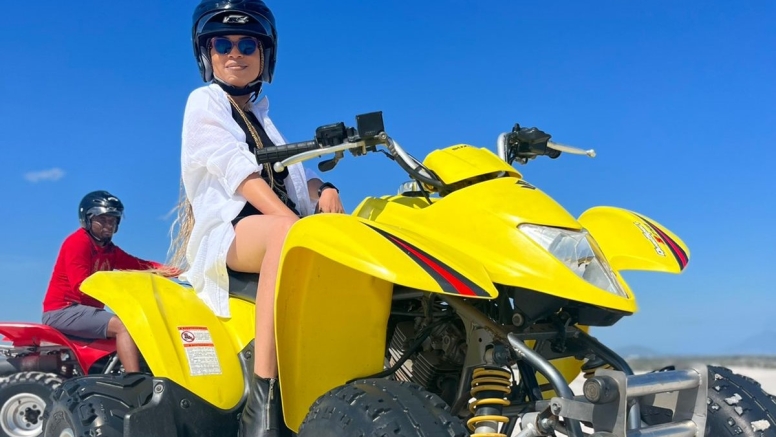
(763, 343)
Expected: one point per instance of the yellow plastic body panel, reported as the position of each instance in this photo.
(241, 325)
(173, 328)
(334, 297)
(330, 324)
(473, 231)
(483, 221)
(457, 163)
(386, 252)
(632, 241)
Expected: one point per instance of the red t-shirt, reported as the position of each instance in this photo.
(78, 258)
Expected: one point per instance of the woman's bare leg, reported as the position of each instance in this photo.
(256, 248)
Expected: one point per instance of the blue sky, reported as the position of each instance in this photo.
(677, 98)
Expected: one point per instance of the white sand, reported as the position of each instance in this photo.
(766, 377)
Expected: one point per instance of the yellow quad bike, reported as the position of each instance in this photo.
(459, 307)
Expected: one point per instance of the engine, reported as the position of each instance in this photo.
(437, 363)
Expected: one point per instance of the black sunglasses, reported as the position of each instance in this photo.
(246, 46)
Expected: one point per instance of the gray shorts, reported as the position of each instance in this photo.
(79, 321)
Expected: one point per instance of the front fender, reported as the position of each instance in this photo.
(392, 254)
(632, 241)
(333, 299)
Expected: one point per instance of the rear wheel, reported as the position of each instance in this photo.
(23, 398)
(379, 407)
(95, 405)
(738, 406)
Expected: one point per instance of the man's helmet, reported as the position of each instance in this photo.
(234, 17)
(97, 203)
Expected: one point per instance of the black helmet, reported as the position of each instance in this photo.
(97, 203)
(234, 17)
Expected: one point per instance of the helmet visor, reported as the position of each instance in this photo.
(100, 210)
(235, 23)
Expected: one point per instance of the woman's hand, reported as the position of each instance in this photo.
(330, 202)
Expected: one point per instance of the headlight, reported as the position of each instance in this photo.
(579, 252)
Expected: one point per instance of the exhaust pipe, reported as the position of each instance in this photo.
(30, 363)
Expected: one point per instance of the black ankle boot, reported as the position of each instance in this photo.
(261, 415)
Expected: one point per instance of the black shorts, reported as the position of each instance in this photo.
(240, 217)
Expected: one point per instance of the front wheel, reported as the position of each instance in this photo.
(378, 407)
(23, 398)
(738, 406)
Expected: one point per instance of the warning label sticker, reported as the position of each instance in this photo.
(200, 350)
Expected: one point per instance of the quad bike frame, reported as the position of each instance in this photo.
(612, 399)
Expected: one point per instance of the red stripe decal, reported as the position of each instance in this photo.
(459, 286)
(675, 247)
(678, 252)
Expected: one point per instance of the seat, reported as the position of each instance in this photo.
(243, 285)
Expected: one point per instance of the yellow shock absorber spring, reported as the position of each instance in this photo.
(490, 388)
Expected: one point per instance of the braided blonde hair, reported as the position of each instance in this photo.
(184, 222)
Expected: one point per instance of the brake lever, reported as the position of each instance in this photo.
(570, 149)
(327, 165)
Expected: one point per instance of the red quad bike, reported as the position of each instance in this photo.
(37, 360)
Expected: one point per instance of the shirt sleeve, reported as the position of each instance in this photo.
(207, 142)
(310, 174)
(124, 261)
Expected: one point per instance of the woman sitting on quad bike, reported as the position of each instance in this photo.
(243, 210)
(85, 251)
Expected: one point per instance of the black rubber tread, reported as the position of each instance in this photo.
(41, 384)
(96, 405)
(51, 381)
(736, 403)
(380, 408)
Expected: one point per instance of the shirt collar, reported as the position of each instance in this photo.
(261, 107)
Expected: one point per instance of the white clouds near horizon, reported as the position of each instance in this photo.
(50, 175)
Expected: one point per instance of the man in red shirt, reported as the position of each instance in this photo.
(85, 251)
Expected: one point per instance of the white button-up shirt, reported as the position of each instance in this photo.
(215, 160)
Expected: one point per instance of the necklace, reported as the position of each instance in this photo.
(256, 139)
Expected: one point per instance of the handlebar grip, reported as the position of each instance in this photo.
(269, 155)
(531, 142)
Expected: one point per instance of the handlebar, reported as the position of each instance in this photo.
(336, 138)
(314, 153)
(284, 151)
(521, 144)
